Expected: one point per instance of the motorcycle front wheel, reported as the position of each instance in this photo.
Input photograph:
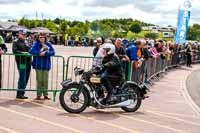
(71, 102)
(135, 96)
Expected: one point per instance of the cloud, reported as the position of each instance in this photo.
(14, 2)
(161, 12)
(147, 5)
(107, 3)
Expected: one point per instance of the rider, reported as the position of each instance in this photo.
(111, 68)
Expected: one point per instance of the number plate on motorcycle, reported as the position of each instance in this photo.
(95, 80)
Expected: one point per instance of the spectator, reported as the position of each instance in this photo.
(147, 54)
(66, 40)
(169, 53)
(179, 53)
(91, 42)
(98, 44)
(3, 50)
(49, 39)
(31, 39)
(134, 51)
(161, 49)
(23, 63)
(189, 56)
(154, 51)
(125, 43)
(120, 51)
(42, 64)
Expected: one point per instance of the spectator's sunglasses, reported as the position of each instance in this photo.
(99, 42)
(24, 34)
(41, 37)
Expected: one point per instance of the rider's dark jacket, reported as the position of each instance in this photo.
(112, 65)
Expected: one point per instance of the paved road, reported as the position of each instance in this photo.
(193, 86)
(168, 110)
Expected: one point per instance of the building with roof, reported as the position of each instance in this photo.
(6, 25)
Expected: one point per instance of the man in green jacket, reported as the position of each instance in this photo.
(23, 62)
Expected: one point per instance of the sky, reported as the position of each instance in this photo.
(161, 12)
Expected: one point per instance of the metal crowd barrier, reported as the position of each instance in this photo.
(10, 74)
(83, 62)
(154, 66)
(148, 70)
(88, 63)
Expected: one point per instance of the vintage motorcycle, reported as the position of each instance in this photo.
(75, 97)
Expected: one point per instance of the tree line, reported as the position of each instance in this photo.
(194, 32)
(104, 28)
(107, 28)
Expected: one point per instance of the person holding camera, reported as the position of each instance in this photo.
(42, 51)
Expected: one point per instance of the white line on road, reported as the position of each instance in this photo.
(81, 116)
(174, 118)
(41, 120)
(7, 130)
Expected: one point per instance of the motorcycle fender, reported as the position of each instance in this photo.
(86, 87)
(65, 83)
(137, 86)
(89, 92)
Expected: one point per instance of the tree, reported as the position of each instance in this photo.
(106, 27)
(80, 31)
(51, 26)
(57, 21)
(194, 32)
(117, 34)
(32, 24)
(94, 26)
(22, 21)
(105, 31)
(151, 35)
(63, 27)
(135, 27)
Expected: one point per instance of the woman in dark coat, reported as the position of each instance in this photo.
(189, 56)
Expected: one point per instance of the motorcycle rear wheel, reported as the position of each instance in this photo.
(136, 96)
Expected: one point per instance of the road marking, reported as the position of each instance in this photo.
(175, 114)
(81, 116)
(7, 130)
(41, 120)
(151, 123)
(187, 96)
(105, 123)
(174, 118)
(148, 122)
(178, 102)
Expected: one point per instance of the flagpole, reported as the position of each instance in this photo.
(177, 19)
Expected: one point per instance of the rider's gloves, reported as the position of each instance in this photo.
(102, 67)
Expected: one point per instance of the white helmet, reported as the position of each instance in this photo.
(109, 47)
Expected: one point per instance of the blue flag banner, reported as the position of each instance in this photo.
(183, 20)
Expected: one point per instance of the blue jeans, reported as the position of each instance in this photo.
(105, 80)
(24, 74)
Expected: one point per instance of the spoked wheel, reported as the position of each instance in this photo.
(71, 102)
(135, 96)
